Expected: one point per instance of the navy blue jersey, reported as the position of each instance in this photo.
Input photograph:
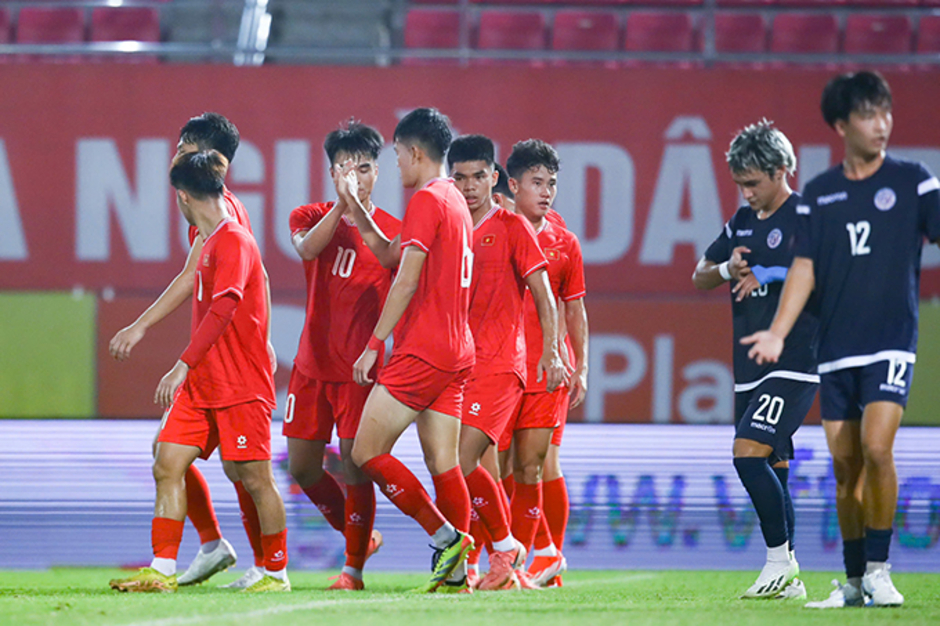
(771, 242)
(865, 238)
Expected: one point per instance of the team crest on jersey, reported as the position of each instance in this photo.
(205, 260)
(488, 240)
(885, 199)
(551, 254)
(774, 238)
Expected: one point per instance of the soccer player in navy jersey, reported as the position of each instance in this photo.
(860, 249)
(753, 252)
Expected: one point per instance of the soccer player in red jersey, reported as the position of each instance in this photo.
(427, 307)
(221, 391)
(507, 260)
(532, 168)
(346, 287)
(209, 131)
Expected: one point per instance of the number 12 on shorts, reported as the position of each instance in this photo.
(896, 371)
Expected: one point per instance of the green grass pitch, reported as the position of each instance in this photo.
(589, 598)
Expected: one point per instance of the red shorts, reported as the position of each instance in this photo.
(539, 409)
(562, 419)
(314, 406)
(422, 387)
(243, 431)
(489, 402)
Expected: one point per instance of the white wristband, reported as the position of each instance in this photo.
(723, 270)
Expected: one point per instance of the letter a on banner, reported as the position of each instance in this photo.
(12, 241)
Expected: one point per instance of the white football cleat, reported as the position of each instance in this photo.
(841, 597)
(775, 576)
(796, 590)
(879, 587)
(250, 577)
(208, 564)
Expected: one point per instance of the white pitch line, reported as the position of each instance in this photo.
(214, 617)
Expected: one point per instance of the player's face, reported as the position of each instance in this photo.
(367, 170)
(867, 131)
(535, 192)
(185, 209)
(757, 188)
(475, 180)
(405, 156)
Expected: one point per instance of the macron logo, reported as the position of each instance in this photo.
(840, 196)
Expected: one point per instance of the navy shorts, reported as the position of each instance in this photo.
(771, 413)
(845, 393)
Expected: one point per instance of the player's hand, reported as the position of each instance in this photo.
(737, 265)
(344, 178)
(124, 341)
(363, 366)
(578, 386)
(552, 368)
(765, 346)
(170, 382)
(744, 287)
(273, 356)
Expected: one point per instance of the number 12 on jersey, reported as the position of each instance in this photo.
(858, 237)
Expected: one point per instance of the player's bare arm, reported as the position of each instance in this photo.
(708, 274)
(387, 251)
(310, 243)
(550, 365)
(177, 292)
(267, 295)
(399, 296)
(577, 322)
(767, 345)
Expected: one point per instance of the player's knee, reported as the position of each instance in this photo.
(304, 472)
(846, 470)
(163, 471)
(529, 473)
(877, 454)
(360, 454)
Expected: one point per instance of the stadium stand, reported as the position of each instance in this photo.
(45, 24)
(434, 29)
(126, 24)
(740, 32)
(586, 31)
(928, 35)
(659, 32)
(510, 30)
(805, 33)
(877, 34)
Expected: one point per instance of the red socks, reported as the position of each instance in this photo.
(165, 536)
(543, 536)
(251, 522)
(199, 506)
(453, 498)
(405, 491)
(509, 487)
(480, 538)
(275, 551)
(555, 508)
(360, 517)
(329, 498)
(487, 503)
(526, 512)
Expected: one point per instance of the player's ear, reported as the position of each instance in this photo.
(840, 127)
(513, 185)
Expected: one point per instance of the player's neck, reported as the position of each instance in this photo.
(208, 217)
(482, 211)
(861, 166)
(428, 172)
(782, 196)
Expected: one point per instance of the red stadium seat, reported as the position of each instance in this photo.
(809, 3)
(877, 34)
(805, 33)
(928, 34)
(126, 24)
(508, 30)
(430, 28)
(584, 30)
(745, 3)
(884, 3)
(740, 32)
(659, 32)
(38, 25)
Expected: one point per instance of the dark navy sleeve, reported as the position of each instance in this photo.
(928, 203)
(805, 241)
(720, 250)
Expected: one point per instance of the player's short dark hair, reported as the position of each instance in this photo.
(530, 154)
(763, 148)
(471, 148)
(355, 139)
(211, 131)
(502, 183)
(429, 129)
(853, 91)
(200, 174)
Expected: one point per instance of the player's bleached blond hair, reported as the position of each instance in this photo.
(761, 147)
